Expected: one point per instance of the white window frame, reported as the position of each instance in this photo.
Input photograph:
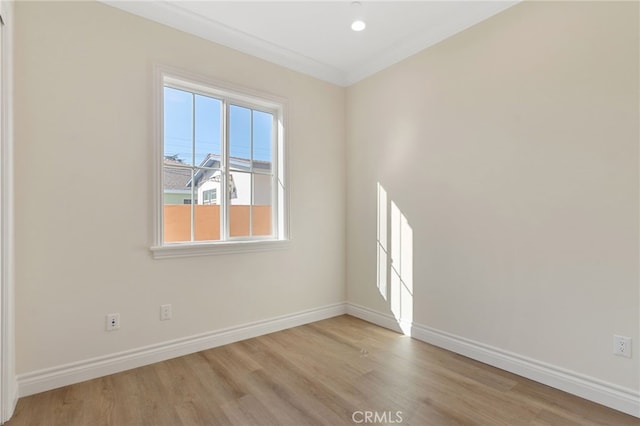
(235, 95)
(210, 200)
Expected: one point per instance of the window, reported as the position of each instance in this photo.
(221, 181)
(210, 196)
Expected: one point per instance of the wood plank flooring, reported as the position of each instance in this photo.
(330, 372)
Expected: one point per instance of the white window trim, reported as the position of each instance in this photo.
(208, 248)
(159, 248)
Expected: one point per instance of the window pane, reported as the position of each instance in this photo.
(207, 222)
(262, 140)
(262, 209)
(203, 176)
(207, 209)
(219, 165)
(177, 203)
(207, 130)
(239, 137)
(178, 125)
(240, 204)
(240, 188)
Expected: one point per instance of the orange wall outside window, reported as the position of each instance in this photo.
(177, 222)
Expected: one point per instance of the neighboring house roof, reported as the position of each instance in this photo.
(175, 178)
(210, 161)
(178, 178)
(213, 161)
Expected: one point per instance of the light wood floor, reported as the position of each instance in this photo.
(319, 374)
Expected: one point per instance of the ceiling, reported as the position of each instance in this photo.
(315, 37)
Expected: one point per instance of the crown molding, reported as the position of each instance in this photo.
(174, 16)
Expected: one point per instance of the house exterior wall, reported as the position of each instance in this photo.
(261, 189)
(176, 198)
(207, 186)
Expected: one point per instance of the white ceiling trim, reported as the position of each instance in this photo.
(184, 20)
(173, 15)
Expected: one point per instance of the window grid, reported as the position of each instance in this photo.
(193, 163)
(225, 169)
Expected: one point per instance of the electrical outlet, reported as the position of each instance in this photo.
(165, 312)
(622, 346)
(113, 322)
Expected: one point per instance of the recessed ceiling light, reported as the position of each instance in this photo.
(358, 25)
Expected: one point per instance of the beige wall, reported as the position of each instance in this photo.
(512, 151)
(83, 127)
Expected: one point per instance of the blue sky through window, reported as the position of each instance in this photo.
(180, 109)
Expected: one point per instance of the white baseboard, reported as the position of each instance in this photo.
(607, 394)
(610, 395)
(55, 377)
(375, 317)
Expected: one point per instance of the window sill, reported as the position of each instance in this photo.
(206, 249)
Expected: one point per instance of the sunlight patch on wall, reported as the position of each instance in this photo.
(395, 260)
(382, 251)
